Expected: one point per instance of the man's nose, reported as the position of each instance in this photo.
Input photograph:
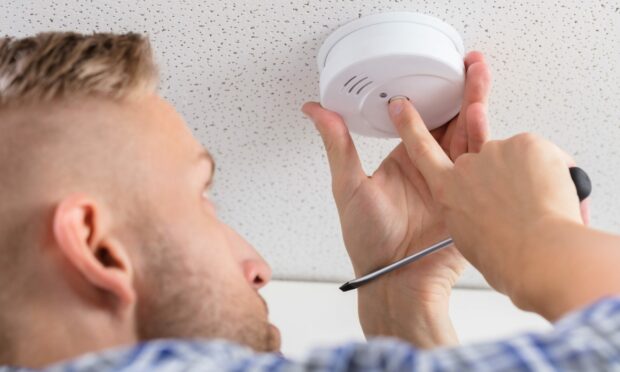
(255, 269)
(257, 272)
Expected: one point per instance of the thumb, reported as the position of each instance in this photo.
(424, 152)
(344, 162)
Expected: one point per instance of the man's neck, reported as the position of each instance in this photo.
(51, 337)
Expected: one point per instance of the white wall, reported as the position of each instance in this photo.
(318, 314)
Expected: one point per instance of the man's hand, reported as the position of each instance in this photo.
(392, 214)
(513, 211)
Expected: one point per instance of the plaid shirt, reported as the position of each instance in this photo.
(587, 340)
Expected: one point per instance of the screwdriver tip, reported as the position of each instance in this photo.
(347, 287)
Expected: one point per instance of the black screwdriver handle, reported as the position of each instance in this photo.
(582, 182)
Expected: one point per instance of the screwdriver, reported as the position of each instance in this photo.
(582, 184)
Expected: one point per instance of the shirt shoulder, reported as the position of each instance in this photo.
(585, 340)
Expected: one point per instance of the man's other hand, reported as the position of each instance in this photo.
(510, 209)
(392, 214)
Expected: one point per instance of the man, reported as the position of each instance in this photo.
(112, 256)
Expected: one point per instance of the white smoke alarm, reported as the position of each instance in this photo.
(366, 62)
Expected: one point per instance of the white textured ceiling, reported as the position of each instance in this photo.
(239, 71)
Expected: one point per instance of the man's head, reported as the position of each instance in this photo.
(107, 234)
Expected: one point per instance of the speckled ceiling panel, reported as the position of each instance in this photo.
(239, 71)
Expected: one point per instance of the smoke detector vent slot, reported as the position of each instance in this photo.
(357, 83)
(362, 87)
(350, 80)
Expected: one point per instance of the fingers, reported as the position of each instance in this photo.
(473, 57)
(477, 87)
(584, 208)
(425, 153)
(344, 162)
(477, 127)
(458, 142)
(477, 83)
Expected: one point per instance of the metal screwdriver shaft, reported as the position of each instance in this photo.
(355, 283)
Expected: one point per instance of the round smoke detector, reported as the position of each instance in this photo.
(366, 62)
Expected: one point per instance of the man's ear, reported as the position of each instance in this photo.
(82, 230)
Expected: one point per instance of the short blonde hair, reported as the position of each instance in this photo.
(56, 65)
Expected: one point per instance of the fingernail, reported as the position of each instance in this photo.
(396, 104)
